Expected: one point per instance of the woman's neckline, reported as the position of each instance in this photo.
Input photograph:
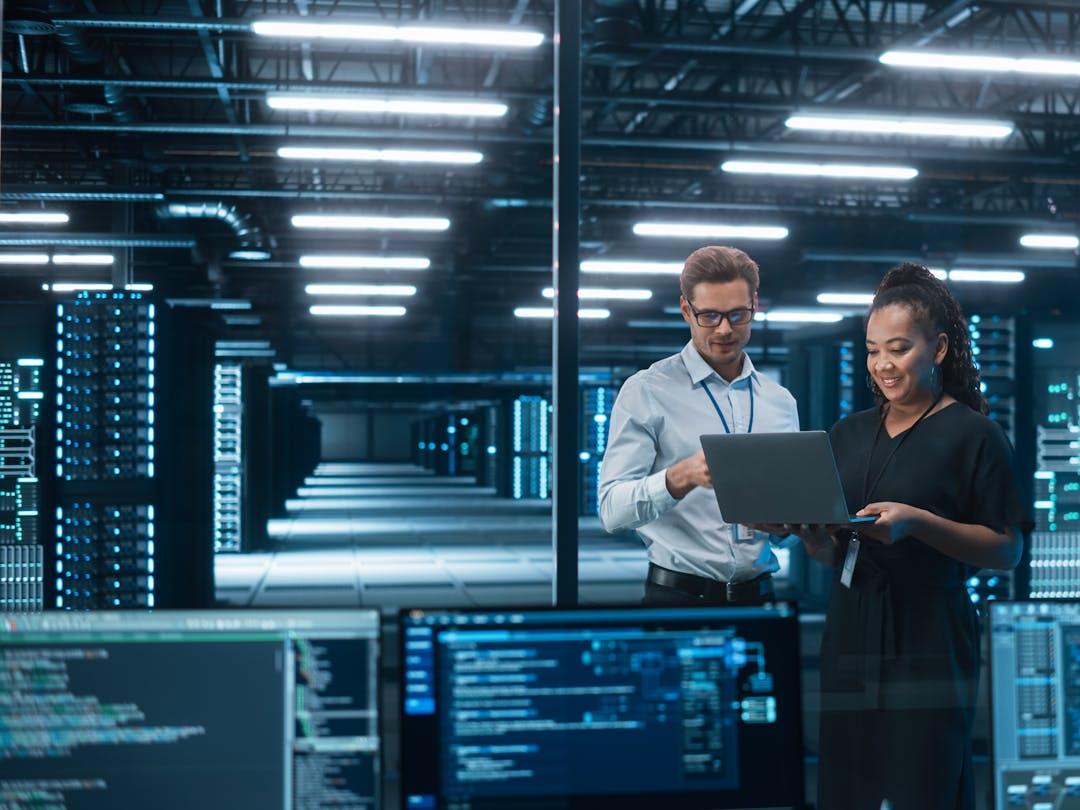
(943, 405)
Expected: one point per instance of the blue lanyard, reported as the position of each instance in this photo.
(720, 413)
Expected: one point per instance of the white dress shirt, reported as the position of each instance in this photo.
(656, 421)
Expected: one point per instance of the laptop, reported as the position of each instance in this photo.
(777, 478)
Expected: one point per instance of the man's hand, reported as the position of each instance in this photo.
(682, 476)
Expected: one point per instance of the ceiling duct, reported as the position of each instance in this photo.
(86, 52)
(252, 244)
(615, 28)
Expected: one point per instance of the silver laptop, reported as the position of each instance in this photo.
(777, 478)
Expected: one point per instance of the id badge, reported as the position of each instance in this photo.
(743, 534)
(848, 571)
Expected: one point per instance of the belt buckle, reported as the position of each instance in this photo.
(729, 591)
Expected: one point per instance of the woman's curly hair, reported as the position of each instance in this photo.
(935, 310)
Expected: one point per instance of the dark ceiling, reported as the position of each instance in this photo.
(114, 110)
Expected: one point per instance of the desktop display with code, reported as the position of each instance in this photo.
(214, 710)
(601, 708)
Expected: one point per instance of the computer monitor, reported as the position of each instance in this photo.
(601, 708)
(213, 710)
(1035, 704)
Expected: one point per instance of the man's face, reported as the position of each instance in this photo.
(721, 345)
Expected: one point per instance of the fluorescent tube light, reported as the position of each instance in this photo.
(360, 289)
(379, 155)
(710, 231)
(992, 276)
(549, 312)
(981, 63)
(798, 316)
(839, 170)
(139, 287)
(33, 218)
(1049, 240)
(370, 223)
(400, 106)
(845, 299)
(355, 309)
(76, 286)
(87, 259)
(321, 262)
(602, 294)
(1043, 343)
(902, 125)
(631, 267)
(938, 273)
(418, 34)
(24, 258)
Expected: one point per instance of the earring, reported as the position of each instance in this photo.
(935, 377)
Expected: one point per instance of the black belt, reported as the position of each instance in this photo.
(712, 590)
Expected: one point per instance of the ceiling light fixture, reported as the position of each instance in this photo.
(360, 289)
(798, 316)
(325, 262)
(339, 310)
(990, 276)
(901, 125)
(603, 294)
(24, 258)
(549, 312)
(76, 286)
(710, 231)
(981, 63)
(834, 170)
(845, 298)
(417, 34)
(33, 218)
(369, 223)
(85, 259)
(1050, 240)
(401, 106)
(615, 266)
(379, 155)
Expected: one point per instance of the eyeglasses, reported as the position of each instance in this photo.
(710, 317)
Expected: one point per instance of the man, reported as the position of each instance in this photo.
(654, 478)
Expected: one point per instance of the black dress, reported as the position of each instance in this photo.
(900, 651)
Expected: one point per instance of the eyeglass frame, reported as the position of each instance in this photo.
(721, 316)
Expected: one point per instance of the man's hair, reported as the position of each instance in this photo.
(716, 264)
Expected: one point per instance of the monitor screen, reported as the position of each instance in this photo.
(1035, 704)
(601, 708)
(214, 710)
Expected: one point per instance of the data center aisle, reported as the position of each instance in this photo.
(393, 535)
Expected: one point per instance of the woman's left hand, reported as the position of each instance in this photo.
(894, 521)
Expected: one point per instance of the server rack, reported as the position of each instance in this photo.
(128, 488)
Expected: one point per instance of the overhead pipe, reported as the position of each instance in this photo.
(82, 50)
(253, 244)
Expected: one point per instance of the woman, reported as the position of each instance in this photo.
(900, 651)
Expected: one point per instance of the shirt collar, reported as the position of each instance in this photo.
(700, 370)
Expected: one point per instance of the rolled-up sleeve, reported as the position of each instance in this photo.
(632, 492)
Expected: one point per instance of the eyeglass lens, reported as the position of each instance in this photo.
(735, 317)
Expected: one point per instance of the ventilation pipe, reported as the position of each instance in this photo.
(252, 244)
(86, 52)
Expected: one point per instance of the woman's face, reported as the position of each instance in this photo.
(900, 356)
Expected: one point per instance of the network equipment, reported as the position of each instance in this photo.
(190, 709)
(1035, 704)
(601, 709)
